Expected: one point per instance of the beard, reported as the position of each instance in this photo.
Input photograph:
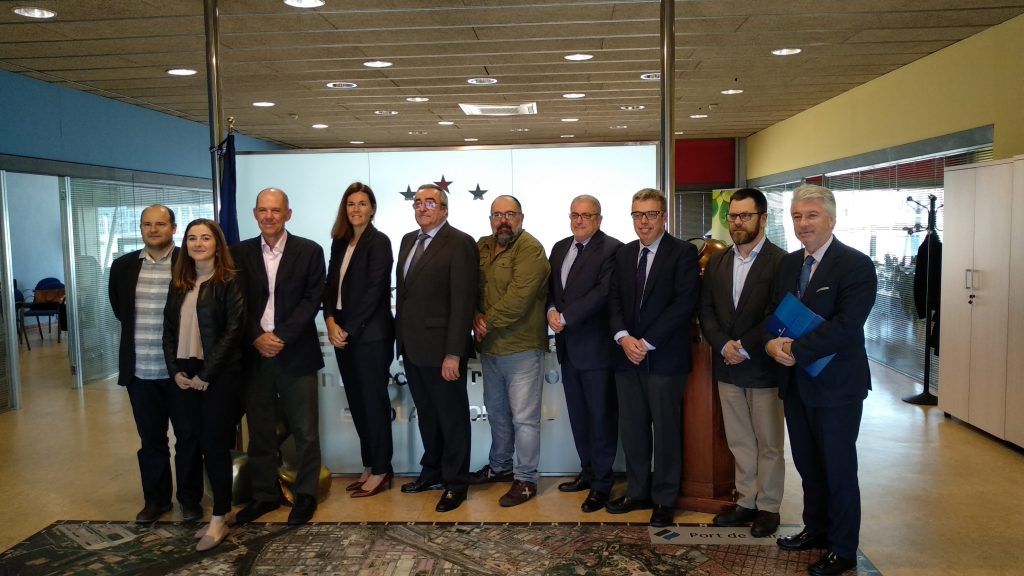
(743, 235)
(504, 235)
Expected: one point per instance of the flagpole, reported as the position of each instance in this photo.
(212, 18)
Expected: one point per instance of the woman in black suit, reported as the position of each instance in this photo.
(202, 335)
(360, 326)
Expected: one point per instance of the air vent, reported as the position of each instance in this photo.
(499, 109)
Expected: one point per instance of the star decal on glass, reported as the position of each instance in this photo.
(443, 184)
(408, 194)
(477, 193)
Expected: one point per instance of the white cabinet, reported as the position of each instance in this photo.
(981, 313)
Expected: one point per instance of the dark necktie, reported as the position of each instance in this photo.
(421, 242)
(641, 278)
(805, 276)
(579, 252)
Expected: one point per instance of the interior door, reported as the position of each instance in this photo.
(10, 384)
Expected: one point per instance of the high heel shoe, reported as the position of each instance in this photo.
(354, 486)
(385, 483)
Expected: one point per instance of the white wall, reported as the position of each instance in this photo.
(36, 246)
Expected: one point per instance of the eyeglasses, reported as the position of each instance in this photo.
(506, 215)
(428, 204)
(650, 214)
(742, 216)
(584, 215)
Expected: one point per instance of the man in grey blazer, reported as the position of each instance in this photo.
(735, 296)
(436, 298)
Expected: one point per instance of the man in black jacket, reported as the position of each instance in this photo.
(283, 275)
(138, 290)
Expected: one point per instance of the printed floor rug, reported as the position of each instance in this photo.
(405, 549)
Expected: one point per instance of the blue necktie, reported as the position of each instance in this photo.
(579, 252)
(805, 276)
(641, 279)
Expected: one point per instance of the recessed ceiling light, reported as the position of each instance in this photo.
(633, 107)
(574, 95)
(319, 126)
(698, 116)
(570, 119)
(619, 127)
(31, 12)
(305, 3)
(385, 112)
(469, 139)
(417, 99)
(482, 81)
(417, 132)
(651, 76)
(377, 64)
(181, 72)
(341, 85)
(732, 91)
(786, 51)
(519, 130)
(445, 123)
(579, 57)
(567, 136)
(356, 142)
(263, 104)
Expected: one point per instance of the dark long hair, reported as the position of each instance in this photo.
(342, 229)
(183, 277)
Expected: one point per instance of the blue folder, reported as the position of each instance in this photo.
(793, 319)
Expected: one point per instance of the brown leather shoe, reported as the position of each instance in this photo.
(765, 524)
(738, 516)
(519, 492)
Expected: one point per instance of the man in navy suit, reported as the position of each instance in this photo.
(823, 412)
(581, 275)
(283, 275)
(654, 292)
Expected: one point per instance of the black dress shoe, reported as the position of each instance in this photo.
(802, 541)
(663, 516)
(303, 510)
(151, 513)
(627, 504)
(253, 510)
(595, 501)
(191, 512)
(579, 484)
(420, 485)
(832, 564)
(450, 500)
(738, 516)
(765, 524)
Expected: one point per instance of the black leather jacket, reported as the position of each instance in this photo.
(220, 310)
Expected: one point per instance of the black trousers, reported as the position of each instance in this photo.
(270, 392)
(154, 403)
(365, 372)
(593, 415)
(442, 413)
(649, 401)
(218, 410)
(824, 444)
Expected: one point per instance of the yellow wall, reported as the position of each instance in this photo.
(975, 82)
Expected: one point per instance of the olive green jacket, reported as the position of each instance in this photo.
(513, 292)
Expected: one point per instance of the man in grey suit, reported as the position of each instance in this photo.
(581, 278)
(436, 298)
(735, 296)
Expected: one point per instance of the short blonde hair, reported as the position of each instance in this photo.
(650, 194)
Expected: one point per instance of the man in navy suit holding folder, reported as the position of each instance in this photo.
(823, 412)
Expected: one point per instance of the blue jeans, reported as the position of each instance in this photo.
(512, 396)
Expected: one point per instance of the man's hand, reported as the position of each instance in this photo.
(779, 349)
(183, 381)
(731, 353)
(268, 345)
(480, 326)
(555, 321)
(450, 368)
(635, 350)
(200, 384)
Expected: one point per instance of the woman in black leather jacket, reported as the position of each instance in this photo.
(202, 332)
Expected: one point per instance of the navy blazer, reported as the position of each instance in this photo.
(669, 300)
(721, 321)
(583, 301)
(298, 292)
(366, 294)
(842, 291)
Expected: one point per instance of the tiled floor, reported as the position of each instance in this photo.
(939, 498)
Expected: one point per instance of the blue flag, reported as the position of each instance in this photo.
(228, 201)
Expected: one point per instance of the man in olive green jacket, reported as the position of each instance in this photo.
(511, 330)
